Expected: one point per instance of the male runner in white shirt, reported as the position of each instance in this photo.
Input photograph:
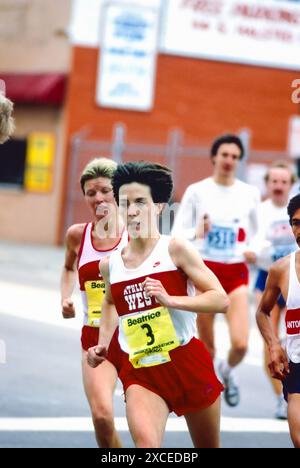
(219, 215)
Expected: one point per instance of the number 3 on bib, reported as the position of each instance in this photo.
(150, 336)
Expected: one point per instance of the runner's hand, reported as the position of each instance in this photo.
(154, 288)
(279, 365)
(203, 228)
(96, 356)
(68, 309)
(250, 257)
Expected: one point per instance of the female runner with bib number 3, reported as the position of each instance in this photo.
(150, 293)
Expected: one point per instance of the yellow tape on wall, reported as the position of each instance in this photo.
(39, 162)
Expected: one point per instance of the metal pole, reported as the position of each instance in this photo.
(245, 136)
(119, 132)
(173, 149)
(75, 152)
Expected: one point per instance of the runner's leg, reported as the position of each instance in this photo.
(99, 385)
(294, 418)
(147, 415)
(205, 325)
(204, 426)
(276, 384)
(238, 321)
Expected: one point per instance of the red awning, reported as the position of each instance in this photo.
(48, 88)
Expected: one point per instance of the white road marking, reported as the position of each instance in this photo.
(173, 425)
(38, 304)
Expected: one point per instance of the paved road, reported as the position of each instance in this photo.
(42, 403)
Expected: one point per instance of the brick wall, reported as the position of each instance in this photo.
(204, 98)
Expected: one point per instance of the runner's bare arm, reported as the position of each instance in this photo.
(279, 363)
(109, 315)
(212, 299)
(250, 254)
(69, 273)
(108, 323)
(186, 216)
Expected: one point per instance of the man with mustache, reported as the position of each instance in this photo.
(219, 215)
(284, 278)
(277, 241)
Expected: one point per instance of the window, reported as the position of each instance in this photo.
(12, 162)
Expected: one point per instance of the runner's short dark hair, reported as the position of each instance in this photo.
(155, 176)
(227, 139)
(293, 206)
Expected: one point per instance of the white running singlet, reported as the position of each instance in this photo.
(92, 286)
(275, 235)
(232, 211)
(292, 318)
(147, 330)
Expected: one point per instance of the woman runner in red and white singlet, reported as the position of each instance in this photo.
(151, 284)
(84, 250)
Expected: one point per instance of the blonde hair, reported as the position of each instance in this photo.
(7, 125)
(281, 165)
(98, 167)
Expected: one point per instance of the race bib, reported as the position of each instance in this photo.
(150, 336)
(281, 238)
(95, 291)
(221, 239)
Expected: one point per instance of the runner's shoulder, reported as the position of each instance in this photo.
(74, 234)
(179, 246)
(280, 266)
(265, 207)
(199, 186)
(248, 188)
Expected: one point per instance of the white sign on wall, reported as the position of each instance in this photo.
(257, 32)
(85, 23)
(128, 55)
